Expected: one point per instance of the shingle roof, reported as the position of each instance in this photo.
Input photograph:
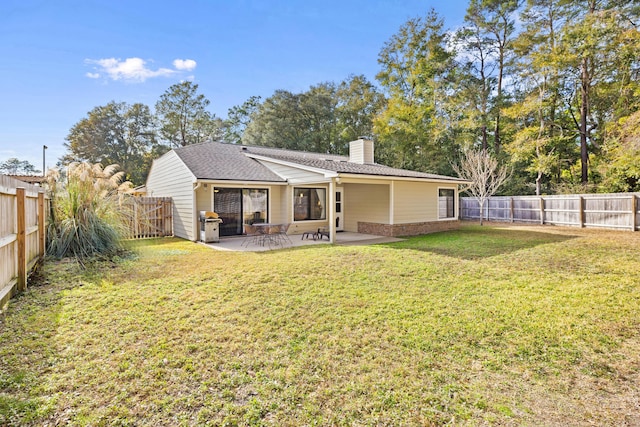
(341, 164)
(215, 160)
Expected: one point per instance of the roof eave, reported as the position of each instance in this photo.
(326, 172)
(403, 178)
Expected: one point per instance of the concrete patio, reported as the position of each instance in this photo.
(244, 244)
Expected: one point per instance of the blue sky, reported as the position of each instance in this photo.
(62, 58)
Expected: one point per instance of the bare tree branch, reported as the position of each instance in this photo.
(484, 172)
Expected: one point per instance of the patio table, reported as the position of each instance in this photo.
(270, 233)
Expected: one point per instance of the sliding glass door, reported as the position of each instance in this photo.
(239, 206)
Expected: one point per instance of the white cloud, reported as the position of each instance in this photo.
(131, 69)
(184, 64)
(134, 69)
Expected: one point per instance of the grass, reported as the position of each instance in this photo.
(486, 325)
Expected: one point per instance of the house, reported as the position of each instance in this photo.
(246, 184)
(38, 180)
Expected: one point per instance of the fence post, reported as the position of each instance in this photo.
(541, 210)
(488, 211)
(21, 237)
(41, 228)
(581, 213)
(634, 212)
(511, 208)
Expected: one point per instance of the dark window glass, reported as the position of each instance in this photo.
(446, 203)
(309, 204)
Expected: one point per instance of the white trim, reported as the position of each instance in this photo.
(455, 203)
(392, 201)
(234, 183)
(332, 211)
(325, 172)
(293, 199)
(357, 179)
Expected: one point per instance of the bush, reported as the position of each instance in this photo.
(85, 221)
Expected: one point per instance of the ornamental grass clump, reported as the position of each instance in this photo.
(85, 219)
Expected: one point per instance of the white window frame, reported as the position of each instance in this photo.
(455, 204)
(293, 204)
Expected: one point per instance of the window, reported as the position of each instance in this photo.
(309, 204)
(239, 206)
(446, 203)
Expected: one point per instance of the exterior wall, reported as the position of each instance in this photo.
(204, 201)
(277, 207)
(361, 151)
(409, 229)
(365, 203)
(415, 202)
(169, 177)
(415, 208)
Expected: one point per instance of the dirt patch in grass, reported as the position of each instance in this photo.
(533, 326)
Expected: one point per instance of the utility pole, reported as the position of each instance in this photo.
(44, 147)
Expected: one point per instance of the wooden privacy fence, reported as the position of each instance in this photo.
(618, 211)
(148, 216)
(22, 234)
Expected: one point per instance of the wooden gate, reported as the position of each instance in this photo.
(148, 216)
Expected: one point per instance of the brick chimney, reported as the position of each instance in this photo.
(361, 151)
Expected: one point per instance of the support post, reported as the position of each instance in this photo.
(21, 239)
(541, 211)
(42, 237)
(332, 210)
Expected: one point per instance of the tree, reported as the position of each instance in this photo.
(620, 166)
(184, 118)
(541, 138)
(416, 66)
(485, 174)
(322, 119)
(475, 79)
(304, 121)
(238, 118)
(116, 133)
(358, 103)
(597, 42)
(13, 166)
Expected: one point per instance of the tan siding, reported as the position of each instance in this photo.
(365, 203)
(415, 202)
(277, 198)
(203, 198)
(169, 177)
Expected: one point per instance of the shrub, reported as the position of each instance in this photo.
(85, 221)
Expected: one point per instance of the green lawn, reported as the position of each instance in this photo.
(486, 325)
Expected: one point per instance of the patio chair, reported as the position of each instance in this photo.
(253, 235)
(323, 232)
(283, 229)
(277, 234)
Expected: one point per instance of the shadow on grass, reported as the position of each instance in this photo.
(28, 333)
(477, 242)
